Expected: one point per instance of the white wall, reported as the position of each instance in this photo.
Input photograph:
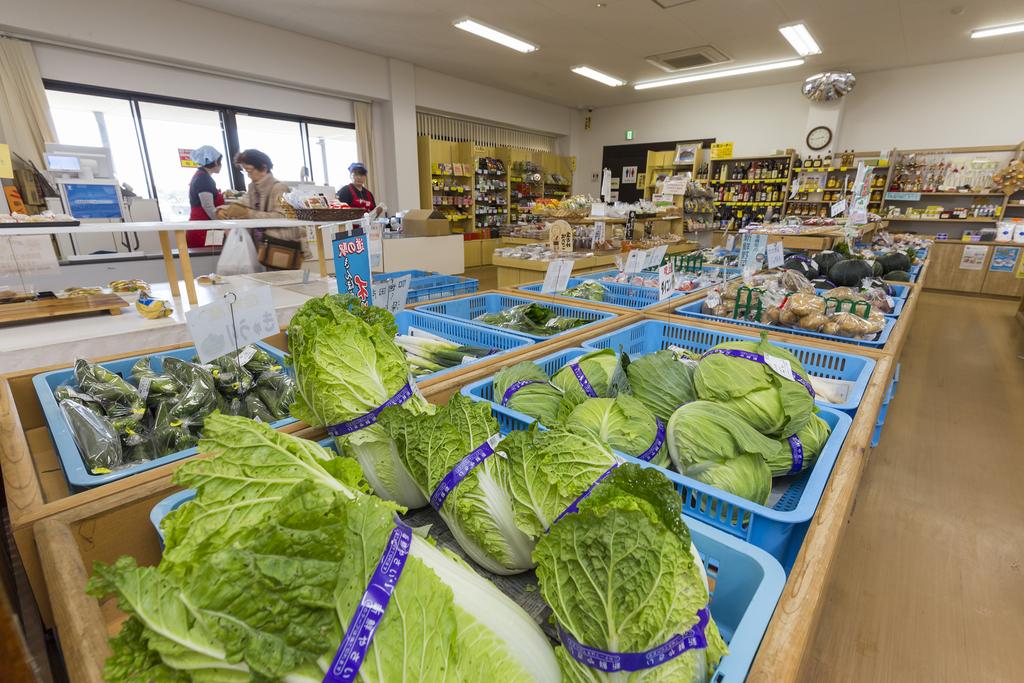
(957, 104)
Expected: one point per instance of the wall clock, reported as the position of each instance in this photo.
(819, 138)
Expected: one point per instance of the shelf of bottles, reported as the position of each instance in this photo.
(452, 190)
(748, 189)
(557, 186)
(526, 187)
(822, 180)
(490, 193)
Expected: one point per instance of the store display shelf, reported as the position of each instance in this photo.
(749, 180)
(907, 219)
(948, 194)
(732, 203)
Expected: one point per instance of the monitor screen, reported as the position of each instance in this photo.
(63, 162)
(93, 201)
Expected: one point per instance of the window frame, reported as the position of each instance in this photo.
(227, 113)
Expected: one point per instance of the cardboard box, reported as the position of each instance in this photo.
(425, 223)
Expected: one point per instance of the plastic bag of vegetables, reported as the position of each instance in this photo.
(531, 318)
(97, 441)
(120, 400)
(764, 384)
(170, 434)
(277, 392)
(712, 444)
(598, 374)
(199, 395)
(153, 386)
(591, 290)
(231, 378)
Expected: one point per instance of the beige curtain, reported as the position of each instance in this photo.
(25, 122)
(364, 145)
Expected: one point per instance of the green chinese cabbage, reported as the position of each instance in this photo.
(478, 511)
(623, 422)
(775, 406)
(541, 400)
(621, 575)
(710, 443)
(603, 370)
(812, 435)
(345, 368)
(662, 382)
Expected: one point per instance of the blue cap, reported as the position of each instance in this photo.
(205, 155)
(357, 166)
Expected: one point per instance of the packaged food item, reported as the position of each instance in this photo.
(152, 309)
(134, 285)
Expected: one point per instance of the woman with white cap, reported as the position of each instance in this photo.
(356, 194)
(203, 195)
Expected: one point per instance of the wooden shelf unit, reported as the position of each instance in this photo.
(849, 173)
(714, 179)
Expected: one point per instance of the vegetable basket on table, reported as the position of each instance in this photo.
(426, 286)
(560, 318)
(611, 294)
(778, 528)
(78, 474)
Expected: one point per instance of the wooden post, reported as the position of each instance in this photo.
(320, 250)
(172, 271)
(186, 266)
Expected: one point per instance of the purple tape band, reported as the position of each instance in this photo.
(797, 449)
(659, 441)
(602, 660)
(364, 421)
(359, 634)
(574, 506)
(458, 473)
(516, 386)
(582, 378)
(757, 358)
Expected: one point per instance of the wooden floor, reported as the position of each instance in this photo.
(929, 581)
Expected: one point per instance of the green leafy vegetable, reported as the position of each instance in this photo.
(591, 290)
(711, 443)
(662, 382)
(602, 369)
(812, 437)
(532, 318)
(621, 575)
(623, 422)
(540, 400)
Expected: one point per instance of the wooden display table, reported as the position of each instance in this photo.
(825, 237)
(513, 272)
(952, 268)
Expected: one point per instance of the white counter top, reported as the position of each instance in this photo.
(62, 341)
(12, 229)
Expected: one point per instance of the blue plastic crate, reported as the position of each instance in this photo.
(632, 297)
(399, 273)
(779, 529)
(649, 336)
(468, 308)
(460, 333)
(876, 436)
(440, 287)
(900, 291)
(728, 270)
(76, 474)
(693, 310)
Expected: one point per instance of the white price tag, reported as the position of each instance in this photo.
(211, 325)
(214, 238)
(599, 231)
(666, 281)
(838, 208)
(495, 439)
(730, 242)
(392, 294)
(636, 261)
(776, 255)
(144, 384)
(780, 365)
(557, 277)
(246, 355)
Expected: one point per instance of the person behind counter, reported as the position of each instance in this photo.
(262, 199)
(203, 195)
(356, 194)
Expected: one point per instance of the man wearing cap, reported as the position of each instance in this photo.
(356, 194)
(203, 195)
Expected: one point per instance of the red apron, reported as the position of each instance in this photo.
(367, 204)
(197, 238)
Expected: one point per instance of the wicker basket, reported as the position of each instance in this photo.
(329, 215)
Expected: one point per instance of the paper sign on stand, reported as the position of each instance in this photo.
(861, 197)
(730, 242)
(352, 267)
(391, 294)
(239, 319)
(636, 261)
(557, 277)
(752, 251)
(666, 281)
(599, 232)
(25, 254)
(560, 237)
(721, 150)
(675, 186)
(776, 256)
(838, 208)
(656, 256)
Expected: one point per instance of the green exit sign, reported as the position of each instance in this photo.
(629, 135)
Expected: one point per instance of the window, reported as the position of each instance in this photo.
(278, 139)
(94, 121)
(168, 129)
(331, 150)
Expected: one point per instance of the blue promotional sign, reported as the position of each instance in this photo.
(352, 267)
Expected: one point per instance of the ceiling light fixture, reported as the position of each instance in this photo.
(997, 30)
(753, 68)
(492, 34)
(801, 39)
(598, 76)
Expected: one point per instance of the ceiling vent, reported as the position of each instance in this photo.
(667, 4)
(690, 58)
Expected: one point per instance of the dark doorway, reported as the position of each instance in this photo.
(618, 157)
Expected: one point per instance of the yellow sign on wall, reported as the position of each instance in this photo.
(6, 167)
(721, 150)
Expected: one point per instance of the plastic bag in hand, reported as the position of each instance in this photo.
(98, 443)
(238, 255)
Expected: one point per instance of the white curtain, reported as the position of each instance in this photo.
(25, 122)
(364, 145)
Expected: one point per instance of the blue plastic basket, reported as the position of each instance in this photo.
(779, 529)
(883, 413)
(399, 273)
(632, 297)
(427, 286)
(468, 308)
(460, 333)
(76, 473)
(694, 310)
(649, 336)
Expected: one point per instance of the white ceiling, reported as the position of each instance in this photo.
(858, 35)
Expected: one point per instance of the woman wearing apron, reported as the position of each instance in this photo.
(356, 194)
(203, 195)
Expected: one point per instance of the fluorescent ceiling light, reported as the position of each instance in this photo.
(598, 76)
(801, 39)
(753, 68)
(997, 30)
(494, 35)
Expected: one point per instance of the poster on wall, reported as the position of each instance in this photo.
(629, 175)
(641, 180)
(973, 258)
(615, 183)
(686, 154)
(1004, 259)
